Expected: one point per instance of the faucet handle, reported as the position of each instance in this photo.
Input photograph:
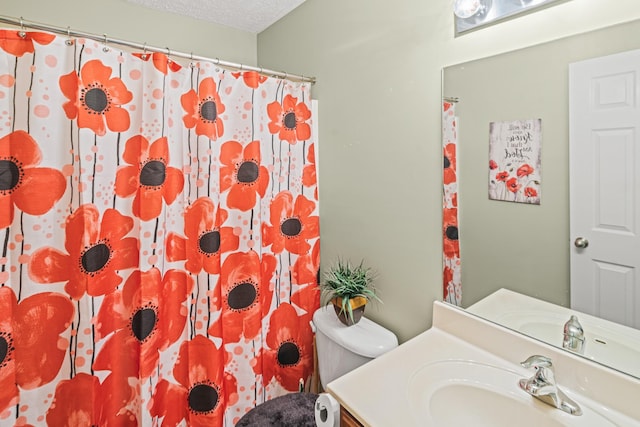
(544, 375)
(537, 361)
(573, 327)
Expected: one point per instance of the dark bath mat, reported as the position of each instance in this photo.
(290, 410)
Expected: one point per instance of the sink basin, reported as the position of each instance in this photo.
(465, 393)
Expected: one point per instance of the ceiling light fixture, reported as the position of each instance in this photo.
(465, 9)
(474, 14)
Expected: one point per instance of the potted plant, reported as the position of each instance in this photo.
(349, 288)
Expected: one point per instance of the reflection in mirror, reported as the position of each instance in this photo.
(606, 342)
(524, 248)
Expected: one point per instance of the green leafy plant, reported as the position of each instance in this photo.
(344, 281)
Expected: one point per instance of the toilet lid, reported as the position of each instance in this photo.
(365, 338)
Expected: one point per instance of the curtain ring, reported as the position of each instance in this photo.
(168, 54)
(241, 67)
(22, 33)
(105, 48)
(144, 51)
(69, 41)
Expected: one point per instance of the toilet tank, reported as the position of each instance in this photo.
(343, 348)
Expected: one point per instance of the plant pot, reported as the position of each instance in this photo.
(357, 307)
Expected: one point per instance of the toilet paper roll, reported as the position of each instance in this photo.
(327, 411)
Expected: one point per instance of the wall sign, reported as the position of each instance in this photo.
(514, 161)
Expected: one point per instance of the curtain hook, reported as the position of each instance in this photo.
(105, 48)
(144, 51)
(22, 33)
(69, 41)
(168, 54)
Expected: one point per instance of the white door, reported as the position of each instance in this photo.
(604, 99)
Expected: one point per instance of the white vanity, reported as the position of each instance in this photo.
(466, 371)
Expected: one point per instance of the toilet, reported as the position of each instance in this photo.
(343, 348)
(340, 349)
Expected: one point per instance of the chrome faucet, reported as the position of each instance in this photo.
(543, 386)
(573, 336)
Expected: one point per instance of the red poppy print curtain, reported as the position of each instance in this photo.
(159, 236)
(452, 284)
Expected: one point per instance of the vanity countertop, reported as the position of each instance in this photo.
(377, 393)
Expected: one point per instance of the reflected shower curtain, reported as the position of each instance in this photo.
(159, 237)
(452, 284)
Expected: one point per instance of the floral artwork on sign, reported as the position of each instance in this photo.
(514, 161)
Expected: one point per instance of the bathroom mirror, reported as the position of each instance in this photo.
(517, 246)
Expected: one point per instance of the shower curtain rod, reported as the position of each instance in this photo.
(105, 39)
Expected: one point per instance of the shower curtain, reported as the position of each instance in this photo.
(159, 236)
(452, 283)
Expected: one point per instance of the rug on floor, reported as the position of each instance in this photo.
(290, 410)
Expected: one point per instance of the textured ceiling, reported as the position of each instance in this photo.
(247, 15)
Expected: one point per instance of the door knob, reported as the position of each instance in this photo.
(581, 243)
